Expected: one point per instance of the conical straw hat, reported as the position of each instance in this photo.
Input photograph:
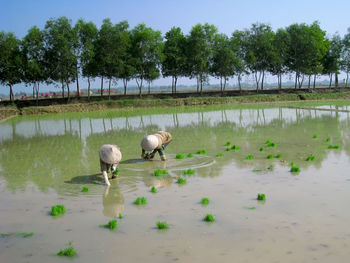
(110, 154)
(149, 143)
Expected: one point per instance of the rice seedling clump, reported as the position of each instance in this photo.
(116, 171)
(112, 224)
(295, 169)
(25, 234)
(249, 157)
(228, 149)
(270, 156)
(271, 167)
(67, 252)
(58, 210)
(310, 158)
(190, 155)
(261, 197)
(227, 143)
(219, 154)
(201, 152)
(162, 225)
(262, 149)
(333, 147)
(270, 143)
(154, 190)
(189, 172)
(160, 172)
(85, 189)
(120, 216)
(328, 139)
(141, 201)
(209, 218)
(235, 147)
(205, 201)
(181, 180)
(315, 136)
(278, 156)
(180, 156)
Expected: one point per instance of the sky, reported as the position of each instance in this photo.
(18, 16)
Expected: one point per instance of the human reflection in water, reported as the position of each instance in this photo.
(158, 182)
(113, 202)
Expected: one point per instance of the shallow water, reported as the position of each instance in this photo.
(46, 160)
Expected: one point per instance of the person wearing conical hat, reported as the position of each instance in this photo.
(110, 156)
(151, 144)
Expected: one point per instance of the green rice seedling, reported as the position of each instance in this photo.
(249, 157)
(190, 155)
(267, 142)
(85, 189)
(328, 139)
(154, 190)
(205, 201)
(141, 201)
(249, 207)
(162, 225)
(58, 210)
(219, 154)
(227, 143)
(120, 216)
(270, 156)
(160, 172)
(292, 164)
(209, 218)
(333, 147)
(112, 224)
(189, 172)
(180, 156)
(271, 144)
(315, 136)
(262, 149)
(201, 152)
(235, 147)
(3, 235)
(278, 156)
(310, 158)
(295, 169)
(271, 167)
(68, 251)
(25, 234)
(181, 180)
(261, 197)
(228, 149)
(116, 171)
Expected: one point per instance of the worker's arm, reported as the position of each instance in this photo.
(143, 153)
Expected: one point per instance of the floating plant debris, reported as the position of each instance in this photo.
(235, 147)
(68, 252)
(58, 210)
(201, 152)
(278, 155)
(310, 158)
(205, 201)
(333, 147)
(189, 172)
(219, 154)
(209, 218)
(262, 149)
(295, 169)
(315, 136)
(249, 157)
(249, 207)
(261, 197)
(160, 172)
(154, 190)
(85, 189)
(141, 201)
(25, 234)
(181, 180)
(227, 143)
(270, 156)
(162, 225)
(190, 155)
(180, 156)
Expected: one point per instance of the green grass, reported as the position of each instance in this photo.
(227, 143)
(154, 190)
(310, 158)
(249, 157)
(201, 152)
(85, 189)
(180, 156)
(315, 136)
(58, 210)
(278, 156)
(67, 252)
(162, 225)
(25, 234)
(209, 218)
(219, 154)
(333, 147)
(235, 147)
(295, 169)
(262, 149)
(141, 201)
(181, 180)
(190, 155)
(160, 172)
(261, 197)
(205, 201)
(270, 156)
(189, 172)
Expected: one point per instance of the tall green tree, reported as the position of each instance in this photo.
(200, 51)
(60, 58)
(147, 47)
(34, 64)
(174, 63)
(332, 63)
(237, 43)
(345, 56)
(11, 61)
(87, 35)
(279, 55)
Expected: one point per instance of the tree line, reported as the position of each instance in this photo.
(61, 53)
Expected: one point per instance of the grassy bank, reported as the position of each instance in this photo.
(6, 112)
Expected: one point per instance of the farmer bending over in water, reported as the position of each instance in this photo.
(110, 156)
(155, 143)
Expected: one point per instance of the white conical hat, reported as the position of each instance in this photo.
(110, 154)
(149, 143)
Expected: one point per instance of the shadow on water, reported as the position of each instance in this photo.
(86, 179)
(132, 161)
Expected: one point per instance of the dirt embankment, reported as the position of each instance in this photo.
(8, 111)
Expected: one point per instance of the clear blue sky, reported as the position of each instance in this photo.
(19, 15)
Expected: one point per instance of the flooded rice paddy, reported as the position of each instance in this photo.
(47, 160)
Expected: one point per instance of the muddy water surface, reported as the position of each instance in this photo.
(46, 160)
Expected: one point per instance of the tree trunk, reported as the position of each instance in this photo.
(172, 84)
(262, 80)
(257, 80)
(336, 80)
(224, 84)
(175, 84)
(239, 83)
(315, 81)
(296, 75)
(308, 85)
(62, 89)
(330, 80)
(197, 84)
(149, 87)
(33, 90)
(78, 89)
(68, 91)
(139, 84)
(125, 82)
(101, 86)
(88, 88)
(11, 93)
(201, 86)
(109, 88)
(37, 94)
(347, 78)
